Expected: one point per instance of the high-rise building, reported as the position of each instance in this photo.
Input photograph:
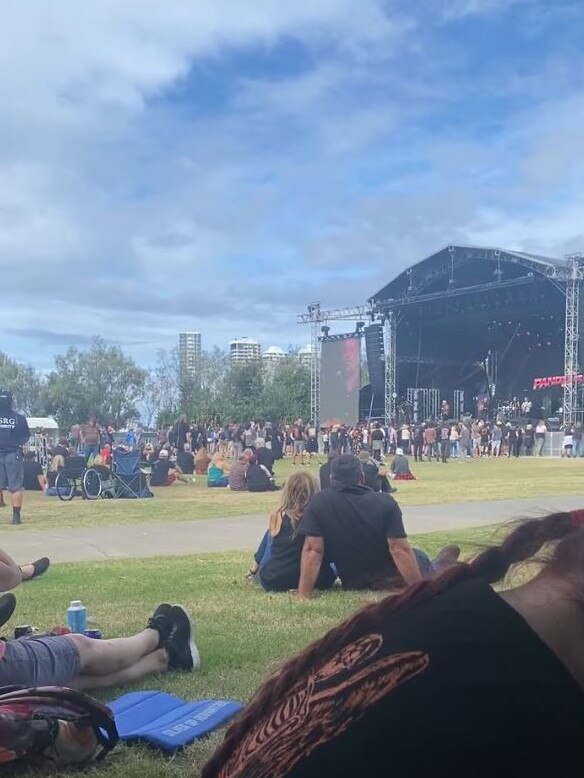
(305, 356)
(243, 350)
(272, 357)
(189, 353)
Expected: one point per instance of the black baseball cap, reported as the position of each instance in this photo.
(6, 397)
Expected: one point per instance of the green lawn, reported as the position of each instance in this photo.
(453, 482)
(243, 633)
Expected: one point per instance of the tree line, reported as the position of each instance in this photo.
(104, 382)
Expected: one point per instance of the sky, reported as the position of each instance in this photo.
(215, 167)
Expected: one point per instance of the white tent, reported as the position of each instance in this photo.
(48, 424)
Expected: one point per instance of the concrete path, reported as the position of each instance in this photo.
(243, 532)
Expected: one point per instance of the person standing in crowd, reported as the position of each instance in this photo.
(577, 440)
(431, 442)
(14, 433)
(298, 437)
(89, 438)
(465, 442)
(528, 440)
(418, 441)
(496, 438)
(540, 433)
(454, 438)
(377, 438)
(405, 438)
(444, 442)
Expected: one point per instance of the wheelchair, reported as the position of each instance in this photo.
(76, 479)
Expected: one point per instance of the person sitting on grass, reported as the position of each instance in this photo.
(79, 662)
(57, 464)
(400, 467)
(375, 474)
(259, 478)
(238, 474)
(185, 459)
(34, 478)
(164, 473)
(452, 677)
(218, 472)
(361, 532)
(202, 461)
(264, 455)
(277, 561)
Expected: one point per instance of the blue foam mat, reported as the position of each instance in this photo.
(167, 721)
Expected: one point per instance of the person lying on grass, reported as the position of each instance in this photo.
(79, 662)
(450, 678)
(27, 573)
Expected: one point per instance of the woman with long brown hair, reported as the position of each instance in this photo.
(449, 678)
(277, 560)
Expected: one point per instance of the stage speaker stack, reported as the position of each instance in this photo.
(375, 358)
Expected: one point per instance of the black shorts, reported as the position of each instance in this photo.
(312, 445)
(12, 471)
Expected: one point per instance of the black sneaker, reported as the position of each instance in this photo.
(182, 651)
(7, 606)
(40, 566)
(162, 621)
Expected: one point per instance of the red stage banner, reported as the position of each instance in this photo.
(557, 380)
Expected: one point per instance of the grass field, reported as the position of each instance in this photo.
(243, 633)
(453, 482)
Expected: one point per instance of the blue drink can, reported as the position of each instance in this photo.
(77, 617)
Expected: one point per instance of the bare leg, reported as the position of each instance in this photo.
(2, 503)
(108, 657)
(17, 498)
(154, 662)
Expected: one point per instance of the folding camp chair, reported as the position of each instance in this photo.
(131, 481)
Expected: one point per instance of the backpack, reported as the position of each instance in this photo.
(53, 726)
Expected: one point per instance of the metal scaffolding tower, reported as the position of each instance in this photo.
(314, 317)
(390, 346)
(571, 332)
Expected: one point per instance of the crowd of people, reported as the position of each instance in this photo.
(373, 689)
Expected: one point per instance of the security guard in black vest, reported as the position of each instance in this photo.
(14, 433)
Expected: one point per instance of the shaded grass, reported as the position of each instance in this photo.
(453, 482)
(243, 633)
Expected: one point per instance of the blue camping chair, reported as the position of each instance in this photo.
(131, 482)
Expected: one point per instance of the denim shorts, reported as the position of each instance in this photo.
(48, 661)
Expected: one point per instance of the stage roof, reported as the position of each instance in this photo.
(431, 272)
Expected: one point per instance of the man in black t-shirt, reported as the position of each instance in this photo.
(359, 531)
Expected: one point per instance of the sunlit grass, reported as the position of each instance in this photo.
(453, 482)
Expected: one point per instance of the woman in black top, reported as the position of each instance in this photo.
(277, 560)
(448, 679)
